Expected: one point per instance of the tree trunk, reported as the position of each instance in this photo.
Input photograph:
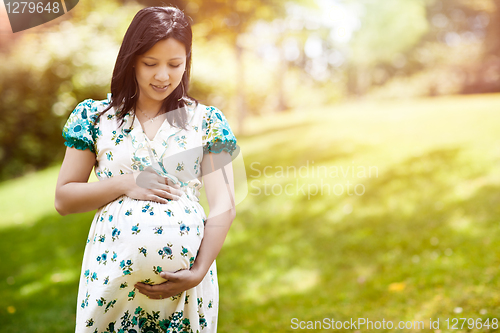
(241, 105)
(282, 69)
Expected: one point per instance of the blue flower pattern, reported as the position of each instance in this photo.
(134, 240)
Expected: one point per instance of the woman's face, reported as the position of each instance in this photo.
(159, 71)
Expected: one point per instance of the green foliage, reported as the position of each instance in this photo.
(44, 76)
(230, 18)
(421, 242)
(388, 27)
(425, 44)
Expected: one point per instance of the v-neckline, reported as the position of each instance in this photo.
(157, 131)
(140, 128)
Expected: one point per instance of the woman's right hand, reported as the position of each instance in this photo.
(148, 185)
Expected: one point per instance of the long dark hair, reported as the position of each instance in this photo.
(149, 26)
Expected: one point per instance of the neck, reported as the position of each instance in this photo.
(151, 109)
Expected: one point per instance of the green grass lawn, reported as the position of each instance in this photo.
(366, 210)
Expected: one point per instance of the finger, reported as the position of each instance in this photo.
(170, 189)
(165, 194)
(169, 276)
(154, 185)
(158, 291)
(146, 287)
(173, 191)
(169, 182)
(144, 180)
(149, 291)
(155, 198)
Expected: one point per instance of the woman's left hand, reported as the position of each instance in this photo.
(176, 283)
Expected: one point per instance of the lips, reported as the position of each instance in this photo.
(162, 88)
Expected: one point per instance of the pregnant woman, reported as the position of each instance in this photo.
(149, 261)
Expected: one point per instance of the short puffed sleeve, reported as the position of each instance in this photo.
(217, 133)
(78, 132)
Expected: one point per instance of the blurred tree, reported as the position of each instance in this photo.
(452, 46)
(463, 25)
(389, 29)
(492, 40)
(309, 52)
(231, 19)
(45, 74)
(486, 76)
(47, 71)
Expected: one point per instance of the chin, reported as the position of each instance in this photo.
(158, 97)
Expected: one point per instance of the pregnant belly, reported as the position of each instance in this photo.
(154, 254)
(137, 240)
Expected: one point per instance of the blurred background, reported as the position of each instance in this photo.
(388, 107)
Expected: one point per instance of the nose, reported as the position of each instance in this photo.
(162, 74)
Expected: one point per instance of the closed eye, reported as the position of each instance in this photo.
(155, 65)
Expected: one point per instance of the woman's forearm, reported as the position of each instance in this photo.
(75, 197)
(216, 229)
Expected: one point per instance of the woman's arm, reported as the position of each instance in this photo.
(75, 195)
(220, 197)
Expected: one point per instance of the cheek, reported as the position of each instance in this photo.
(179, 72)
(142, 77)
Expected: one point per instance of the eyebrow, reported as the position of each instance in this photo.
(169, 59)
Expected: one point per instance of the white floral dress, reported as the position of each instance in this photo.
(134, 240)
